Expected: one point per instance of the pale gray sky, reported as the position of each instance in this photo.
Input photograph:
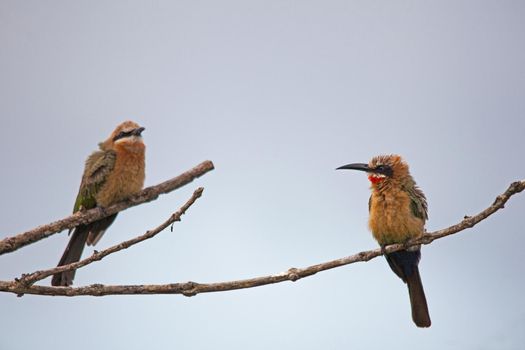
(277, 94)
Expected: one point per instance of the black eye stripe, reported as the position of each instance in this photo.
(122, 134)
(384, 169)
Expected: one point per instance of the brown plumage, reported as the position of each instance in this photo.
(113, 173)
(398, 210)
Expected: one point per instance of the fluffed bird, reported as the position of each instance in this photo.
(111, 174)
(398, 211)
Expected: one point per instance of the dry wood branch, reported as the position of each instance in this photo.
(148, 194)
(31, 278)
(292, 274)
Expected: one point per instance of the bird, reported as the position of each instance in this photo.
(111, 174)
(397, 213)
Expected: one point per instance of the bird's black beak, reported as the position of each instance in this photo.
(355, 166)
(138, 131)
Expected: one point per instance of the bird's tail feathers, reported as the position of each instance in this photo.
(72, 254)
(98, 228)
(82, 234)
(418, 301)
(405, 265)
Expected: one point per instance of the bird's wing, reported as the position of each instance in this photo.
(418, 203)
(98, 166)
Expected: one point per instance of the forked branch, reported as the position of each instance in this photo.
(292, 274)
(31, 278)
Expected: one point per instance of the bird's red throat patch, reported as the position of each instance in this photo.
(374, 179)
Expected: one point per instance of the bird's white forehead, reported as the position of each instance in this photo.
(376, 175)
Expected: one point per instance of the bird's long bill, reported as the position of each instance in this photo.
(355, 166)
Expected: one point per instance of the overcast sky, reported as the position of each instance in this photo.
(277, 94)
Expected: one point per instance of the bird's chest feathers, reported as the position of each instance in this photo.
(391, 219)
(126, 179)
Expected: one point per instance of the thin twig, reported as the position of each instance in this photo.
(31, 278)
(293, 274)
(13, 243)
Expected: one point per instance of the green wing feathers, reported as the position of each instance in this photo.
(97, 168)
(418, 203)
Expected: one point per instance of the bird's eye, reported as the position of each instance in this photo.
(384, 169)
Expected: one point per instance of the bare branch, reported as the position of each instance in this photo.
(13, 243)
(293, 274)
(470, 221)
(31, 278)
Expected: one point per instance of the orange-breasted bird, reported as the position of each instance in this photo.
(398, 211)
(113, 173)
